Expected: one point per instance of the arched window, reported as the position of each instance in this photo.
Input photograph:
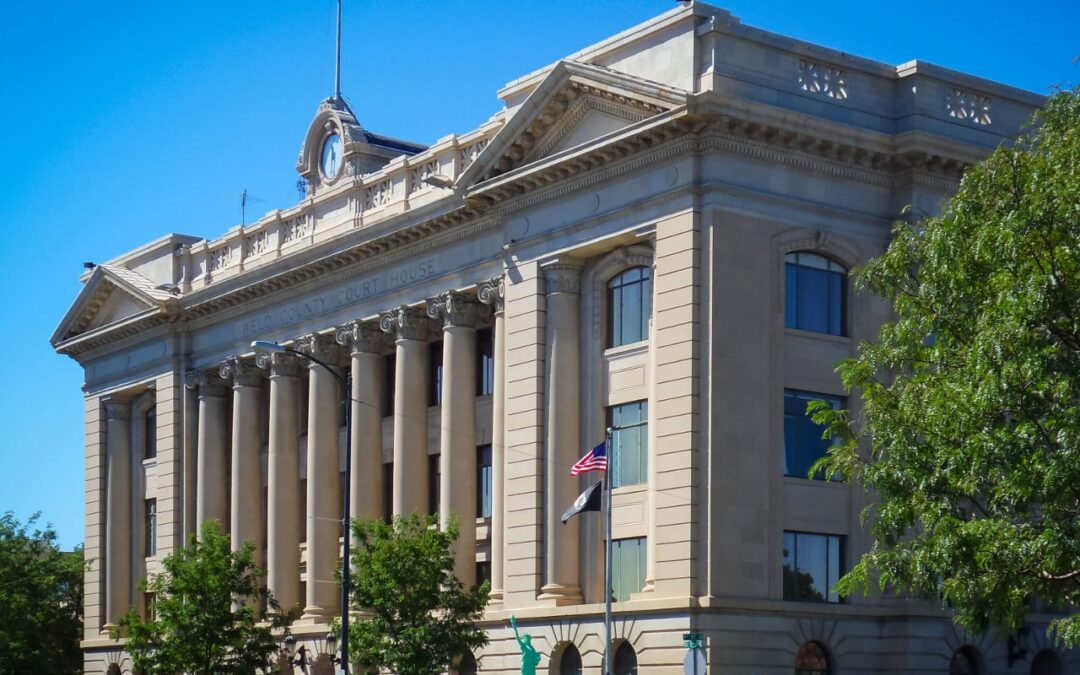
(570, 661)
(467, 664)
(812, 659)
(625, 660)
(815, 293)
(1047, 662)
(966, 661)
(629, 306)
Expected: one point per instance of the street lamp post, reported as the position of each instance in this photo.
(263, 346)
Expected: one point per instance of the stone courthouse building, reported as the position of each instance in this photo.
(652, 234)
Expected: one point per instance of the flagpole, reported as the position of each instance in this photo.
(607, 554)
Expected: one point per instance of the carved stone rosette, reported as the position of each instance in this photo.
(407, 323)
(492, 292)
(206, 381)
(562, 277)
(322, 347)
(279, 363)
(363, 336)
(455, 308)
(241, 373)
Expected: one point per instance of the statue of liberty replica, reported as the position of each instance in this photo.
(530, 658)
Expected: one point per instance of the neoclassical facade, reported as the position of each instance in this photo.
(651, 235)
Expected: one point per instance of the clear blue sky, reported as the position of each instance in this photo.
(122, 121)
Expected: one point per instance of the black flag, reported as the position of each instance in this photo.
(586, 501)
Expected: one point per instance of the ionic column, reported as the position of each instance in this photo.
(212, 487)
(367, 344)
(118, 509)
(283, 479)
(323, 478)
(562, 442)
(459, 314)
(411, 330)
(246, 512)
(491, 293)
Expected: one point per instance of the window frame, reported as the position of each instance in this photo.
(617, 548)
(841, 565)
(484, 479)
(150, 525)
(485, 361)
(615, 461)
(614, 286)
(833, 270)
(836, 401)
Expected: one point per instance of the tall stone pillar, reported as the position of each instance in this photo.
(246, 512)
(283, 480)
(458, 314)
(212, 475)
(118, 509)
(411, 330)
(562, 442)
(323, 479)
(492, 293)
(367, 344)
(654, 376)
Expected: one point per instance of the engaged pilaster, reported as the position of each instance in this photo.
(212, 487)
(562, 442)
(492, 293)
(411, 330)
(118, 505)
(246, 512)
(459, 315)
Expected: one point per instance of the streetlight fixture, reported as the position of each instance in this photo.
(265, 347)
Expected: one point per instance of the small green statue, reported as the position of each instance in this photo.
(530, 658)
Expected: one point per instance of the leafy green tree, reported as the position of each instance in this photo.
(420, 617)
(203, 619)
(40, 600)
(970, 430)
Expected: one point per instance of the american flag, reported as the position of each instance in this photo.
(594, 460)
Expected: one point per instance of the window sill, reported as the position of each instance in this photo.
(820, 484)
(813, 335)
(623, 350)
(630, 489)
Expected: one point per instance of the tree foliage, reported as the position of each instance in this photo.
(969, 436)
(420, 616)
(203, 620)
(40, 600)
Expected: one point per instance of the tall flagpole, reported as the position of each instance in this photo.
(337, 56)
(607, 554)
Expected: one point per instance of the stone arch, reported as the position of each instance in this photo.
(624, 658)
(565, 659)
(1047, 662)
(814, 658)
(966, 660)
(466, 664)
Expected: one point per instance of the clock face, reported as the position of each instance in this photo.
(331, 156)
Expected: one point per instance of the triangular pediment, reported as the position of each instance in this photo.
(110, 296)
(574, 105)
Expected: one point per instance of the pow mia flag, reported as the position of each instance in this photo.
(589, 500)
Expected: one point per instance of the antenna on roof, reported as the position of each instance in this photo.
(337, 57)
(244, 199)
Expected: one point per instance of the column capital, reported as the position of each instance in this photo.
(492, 292)
(279, 363)
(206, 381)
(116, 407)
(322, 347)
(241, 373)
(561, 275)
(365, 337)
(407, 323)
(454, 308)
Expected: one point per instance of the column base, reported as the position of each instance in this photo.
(107, 629)
(313, 615)
(495, 597)
(557, 595)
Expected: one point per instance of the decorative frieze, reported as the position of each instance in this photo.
(817, 78)
(492, 292)
(455, 308)
(378, 194)
(407, 323)
(364, 337)
(219, 258)
(470, 152)
(964, 105)
(241, 373)
(295, 228)
(419, 173)
(255, 244)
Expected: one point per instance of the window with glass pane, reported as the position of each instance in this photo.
(434, 476)
(627, 567)
(803, 444)
(390, 375)
(435, 373)
(483, 481)
(813, 563)
(483, 572)
(629, 306)
(150, 527)
(629, 443)
(815, 293)
(485, 363)
(150, 435)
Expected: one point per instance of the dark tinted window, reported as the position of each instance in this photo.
(815, 293)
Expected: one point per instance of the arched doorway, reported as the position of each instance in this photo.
(966, 661)
(812, 659)
(1047, 662)
(625, 660)
(570, 661)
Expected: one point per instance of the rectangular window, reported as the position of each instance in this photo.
(630, 443)
(483, 572)
(150, 435)
(813, 563)
(388, 491)
(149, 611)
(483, 481)
(435, 350)
(627, 567)
(388, 384)
(150, 527)
(815, 293)
(803, 444)
(434, 476)
(485, 363)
